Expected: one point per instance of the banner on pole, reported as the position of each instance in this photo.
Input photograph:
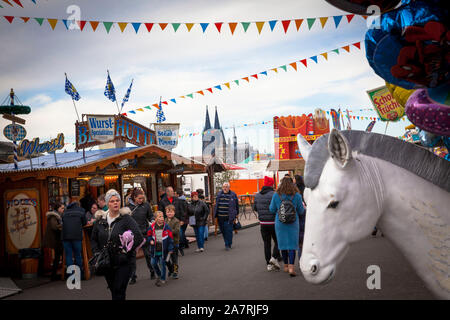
(167, 135)
(385, 105)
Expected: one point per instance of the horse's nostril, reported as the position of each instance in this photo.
(314, 269)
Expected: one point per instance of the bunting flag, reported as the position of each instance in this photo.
(294, 66)
(284, 24)
(110, 92)
(127, 96)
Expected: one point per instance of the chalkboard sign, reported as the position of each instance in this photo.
(75, 188)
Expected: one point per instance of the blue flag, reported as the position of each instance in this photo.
(71, 91)
(127, 95)
(110, 92)
(160, 114)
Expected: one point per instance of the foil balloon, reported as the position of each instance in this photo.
(410, 49)
(400, 94)
(360, 6)
(427, 113)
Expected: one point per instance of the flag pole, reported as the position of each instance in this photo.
(385, 130)
(74, 102)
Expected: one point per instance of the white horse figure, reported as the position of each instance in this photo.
(356, 180)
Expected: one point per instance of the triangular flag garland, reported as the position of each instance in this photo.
(284, 24)
(294, 66)
(254, 124)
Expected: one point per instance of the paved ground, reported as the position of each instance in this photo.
(241, 274)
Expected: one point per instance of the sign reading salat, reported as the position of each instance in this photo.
(22, 219)
(167, 135)
(385, 105)
(101, 127)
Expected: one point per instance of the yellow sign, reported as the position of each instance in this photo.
(385, 105)
(294, 138)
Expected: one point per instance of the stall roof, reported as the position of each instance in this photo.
(95, 158)
(286, 165)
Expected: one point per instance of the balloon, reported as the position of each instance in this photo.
(410, 49)
(400, 94)
(428, 114)
(360, 7)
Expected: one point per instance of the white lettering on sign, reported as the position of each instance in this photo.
(167, 135)
(101, 128)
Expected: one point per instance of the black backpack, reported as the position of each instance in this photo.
(287, 213)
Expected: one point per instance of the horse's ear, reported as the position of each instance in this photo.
(339, 148)
(303, 146)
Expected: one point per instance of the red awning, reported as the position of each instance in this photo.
(232, 167)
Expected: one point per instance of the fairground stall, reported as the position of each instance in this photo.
(287, 155)
(30, 190)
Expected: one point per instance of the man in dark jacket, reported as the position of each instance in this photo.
(73, 220)
(226, 211)
(180, 214)
(142, 213)
(267, 223)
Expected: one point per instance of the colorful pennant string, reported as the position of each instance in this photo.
(294, 65)
(284, 24)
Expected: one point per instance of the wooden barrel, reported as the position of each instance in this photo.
(29, 268)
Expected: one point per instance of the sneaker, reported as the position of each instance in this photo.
(133, 281)
(201, 249)
(158, 283)
(175, 275)
(270, 267)
(162, 282)
(198, 250)
(275, 263)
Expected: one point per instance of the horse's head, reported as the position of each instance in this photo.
(341, 209)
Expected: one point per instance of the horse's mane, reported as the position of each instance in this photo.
(406, 155)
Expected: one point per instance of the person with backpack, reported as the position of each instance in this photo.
(267, 223)
(287, 204)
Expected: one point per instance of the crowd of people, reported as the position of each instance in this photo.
(161, 235)
(124, 228)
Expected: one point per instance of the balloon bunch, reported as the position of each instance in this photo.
(408, 46)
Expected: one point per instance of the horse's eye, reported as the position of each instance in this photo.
(333, 204)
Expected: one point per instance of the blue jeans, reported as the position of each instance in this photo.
(226, 228)
(288, 255)
(200, 236)
(206, 231)
(159, 265)
(73, 248)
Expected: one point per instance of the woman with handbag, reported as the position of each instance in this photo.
(198, 213)
(114, 239)
(287, 205)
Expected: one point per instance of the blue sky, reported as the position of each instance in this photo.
(168, 64)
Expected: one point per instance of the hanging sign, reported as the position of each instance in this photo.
(101, 127)
(14, 132)
(29, 148)
(124, 129)
(167, 135)
(22, 219)
(97, 181)
(385, 105)
(13, 118)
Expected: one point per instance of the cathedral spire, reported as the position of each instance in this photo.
(207, 122)
(216, 121)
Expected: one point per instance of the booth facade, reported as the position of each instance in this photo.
(29, 191)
